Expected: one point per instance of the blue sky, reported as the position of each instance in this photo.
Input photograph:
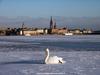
(47, 8)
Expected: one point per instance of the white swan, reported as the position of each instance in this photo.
(53, 59)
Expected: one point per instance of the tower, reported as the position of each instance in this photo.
(51, 23)
(55, 25)
(23, 28)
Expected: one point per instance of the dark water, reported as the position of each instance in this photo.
(55, 43)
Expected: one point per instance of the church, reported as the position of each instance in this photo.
(54, 30)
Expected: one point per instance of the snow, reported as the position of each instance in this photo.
(74, 38)
(31, 63)
(24, 55)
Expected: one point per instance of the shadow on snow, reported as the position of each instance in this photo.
(24, 62)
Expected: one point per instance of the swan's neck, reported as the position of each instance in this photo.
(47, 56)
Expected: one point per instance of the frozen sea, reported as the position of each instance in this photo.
(23, 55)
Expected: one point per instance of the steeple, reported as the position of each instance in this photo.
(55, 25)
(22, 25)
(23, 28)
(51, 23)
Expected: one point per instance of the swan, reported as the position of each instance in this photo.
(53, 59)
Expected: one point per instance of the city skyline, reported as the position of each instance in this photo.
(46, 8)
(36, 13)
(73, 22)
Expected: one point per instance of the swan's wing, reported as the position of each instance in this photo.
(60, 58)
(55, 59)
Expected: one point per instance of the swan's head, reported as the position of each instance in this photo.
(47, 50)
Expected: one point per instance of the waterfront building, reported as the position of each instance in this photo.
(36, 31)
(2, 32)
(54, 30)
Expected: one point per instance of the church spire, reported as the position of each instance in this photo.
(51, 23)
(23, 28)
(55, 25)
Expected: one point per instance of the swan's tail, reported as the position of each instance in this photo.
(62, 61)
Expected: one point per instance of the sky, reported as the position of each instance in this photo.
(47, 8)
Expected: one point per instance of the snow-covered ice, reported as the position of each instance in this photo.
(21, 55)
(32, 63)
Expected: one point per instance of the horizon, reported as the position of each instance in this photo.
(71, 23)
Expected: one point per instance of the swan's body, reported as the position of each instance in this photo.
(53, 59)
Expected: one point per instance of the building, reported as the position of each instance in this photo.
(87, 31)
(54, 30)
(31, 32)
(2, 31)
